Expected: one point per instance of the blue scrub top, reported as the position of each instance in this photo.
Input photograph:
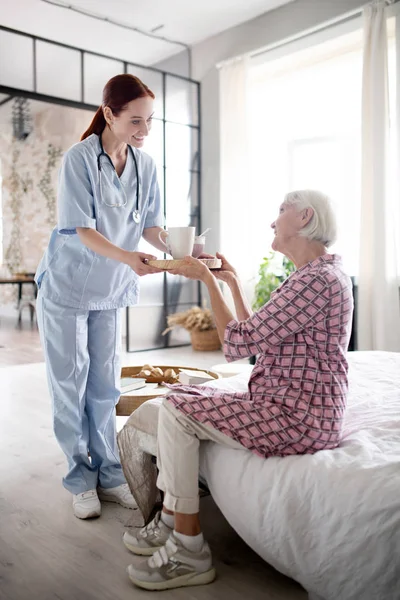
(70, 273)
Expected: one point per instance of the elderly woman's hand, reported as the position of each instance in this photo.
(226, 273)
(192, 268)
(205, 255)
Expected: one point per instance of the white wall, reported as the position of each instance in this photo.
(178, 64)
(75, 29)
(270, 28)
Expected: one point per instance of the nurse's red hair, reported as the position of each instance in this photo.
(117, 93)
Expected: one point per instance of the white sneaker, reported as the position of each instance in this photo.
(86, 505)
(120, 494)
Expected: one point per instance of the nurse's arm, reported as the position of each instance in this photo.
(150, 234)
(95, 241)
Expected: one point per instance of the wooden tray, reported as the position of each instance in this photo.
(132, 400)
(212, 263)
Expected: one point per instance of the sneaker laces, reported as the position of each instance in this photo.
(87, 495)
(162, 556)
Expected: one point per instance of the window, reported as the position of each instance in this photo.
(307, 105)
(1, 217)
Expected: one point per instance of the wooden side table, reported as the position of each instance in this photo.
(20, 281)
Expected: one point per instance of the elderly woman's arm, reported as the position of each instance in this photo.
(297, 304)
(228, 274)
(242, 307)
(221, 312)
(195, 269)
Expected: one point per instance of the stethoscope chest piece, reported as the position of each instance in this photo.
(136, 216)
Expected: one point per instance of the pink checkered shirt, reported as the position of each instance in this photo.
(296, 396)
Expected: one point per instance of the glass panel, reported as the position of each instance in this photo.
(194, 200)
(181, 198)
(160, 178)
(178, 335)
(146, 324)
(181, 290)
(177, 200)
(1, 214)
(181, 101)
(16, 61)
(182, 146)
(52, 62)
(97, 71)
(154, 144)
(151, 286)
(153, 80)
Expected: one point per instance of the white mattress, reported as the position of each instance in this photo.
(329, 520)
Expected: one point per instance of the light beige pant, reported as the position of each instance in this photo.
(178, 442)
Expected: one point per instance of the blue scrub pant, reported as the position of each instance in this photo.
(81, 350)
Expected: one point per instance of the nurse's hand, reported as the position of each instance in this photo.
(138, 263)
(226, 273)
(192, 268)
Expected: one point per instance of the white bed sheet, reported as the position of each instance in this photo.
(329, 520)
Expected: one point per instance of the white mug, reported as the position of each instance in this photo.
(179, 241)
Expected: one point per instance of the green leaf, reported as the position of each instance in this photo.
(268, 280)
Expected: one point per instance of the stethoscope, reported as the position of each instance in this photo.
(135, 213)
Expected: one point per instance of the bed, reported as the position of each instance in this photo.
(331, 520)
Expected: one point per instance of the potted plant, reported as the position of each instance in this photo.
(270, 276)
(200, 323)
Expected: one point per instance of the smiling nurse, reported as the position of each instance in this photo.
(108, 198)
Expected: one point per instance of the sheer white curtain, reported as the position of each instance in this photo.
(378, 283)
(235, 201)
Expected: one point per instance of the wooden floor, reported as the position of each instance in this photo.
(20, 345)
(48, 554)
(19, 342)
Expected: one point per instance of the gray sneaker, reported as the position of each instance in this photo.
(148, 539)
(173, 566)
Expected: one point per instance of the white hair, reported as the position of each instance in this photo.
(322, 225)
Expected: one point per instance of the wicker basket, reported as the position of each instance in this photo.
(205, 340)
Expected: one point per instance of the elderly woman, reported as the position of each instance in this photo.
(296, 396)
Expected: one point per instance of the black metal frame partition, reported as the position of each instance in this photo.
(172, 290)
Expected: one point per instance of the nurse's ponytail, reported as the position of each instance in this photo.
(118, 92)
(97, 125)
